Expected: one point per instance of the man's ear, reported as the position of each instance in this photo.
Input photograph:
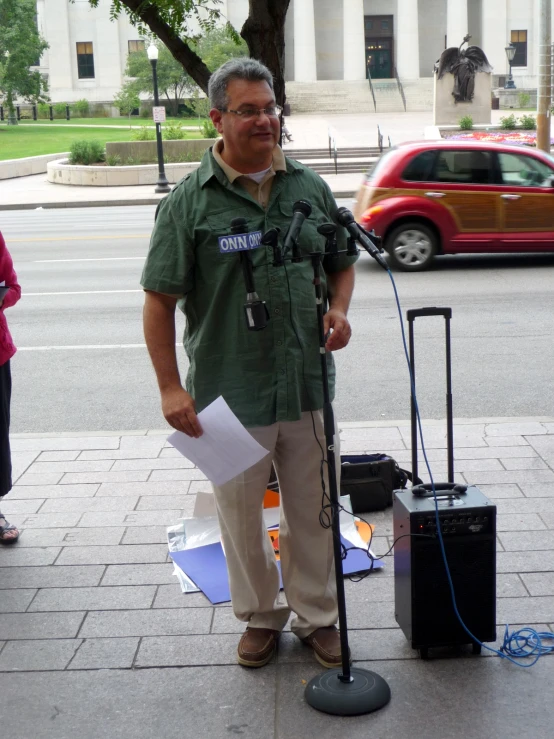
(217, 119)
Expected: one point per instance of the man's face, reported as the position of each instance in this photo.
(250, 140)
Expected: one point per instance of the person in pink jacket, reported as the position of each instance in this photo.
(8, 279)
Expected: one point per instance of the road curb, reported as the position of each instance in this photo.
(106, 203)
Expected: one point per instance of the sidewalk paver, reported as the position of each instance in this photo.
(97, 639)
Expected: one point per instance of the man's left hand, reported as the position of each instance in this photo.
(336, 322)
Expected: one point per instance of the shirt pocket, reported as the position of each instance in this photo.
(218, 225)
(309, 239)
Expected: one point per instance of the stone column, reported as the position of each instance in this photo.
(495, 34)
(354, 40)
(456, 22)
(407, 40)
(62, 53)
(305, 69)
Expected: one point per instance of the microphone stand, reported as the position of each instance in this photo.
(348, 691)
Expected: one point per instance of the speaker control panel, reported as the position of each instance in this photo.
(468, 522)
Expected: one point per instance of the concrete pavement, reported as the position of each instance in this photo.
(97, 640)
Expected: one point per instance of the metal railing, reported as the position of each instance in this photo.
(372, 90)
(333, 153)
(400, 88)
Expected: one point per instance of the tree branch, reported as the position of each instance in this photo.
(150, 16)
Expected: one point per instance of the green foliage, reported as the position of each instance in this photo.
(43, 110)
(219, 45)
(59, 110)
(127, 100)
(80, 108)
(143, 134)
(113, 160)
(173, 131)
(466, 123)
(209, 131)
(508, 122)
(529, 122)
(524, 99)
(85, 151)
(131, 161)
(20, 49)
(173, 81)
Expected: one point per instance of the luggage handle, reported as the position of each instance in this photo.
(426, 490)
(411, 315)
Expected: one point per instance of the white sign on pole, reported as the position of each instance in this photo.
(159, 114)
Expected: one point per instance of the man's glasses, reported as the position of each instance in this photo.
(248, 114)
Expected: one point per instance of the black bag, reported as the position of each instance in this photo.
(369, 480)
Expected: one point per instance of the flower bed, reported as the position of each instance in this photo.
(523, 138)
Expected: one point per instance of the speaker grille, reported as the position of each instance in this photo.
(472, 564)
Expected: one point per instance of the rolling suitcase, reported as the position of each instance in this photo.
(423, 600)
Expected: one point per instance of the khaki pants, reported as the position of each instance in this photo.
(306, 548)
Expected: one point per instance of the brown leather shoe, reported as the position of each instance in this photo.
(257, 646)
(325, 642)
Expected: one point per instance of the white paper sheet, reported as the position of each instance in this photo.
(225, 449)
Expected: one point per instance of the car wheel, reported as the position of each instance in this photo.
(411, 247)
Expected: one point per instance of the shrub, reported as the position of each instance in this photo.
(209, 131)
(529, 122)
(143, 134)
(113, 160)
(524, 99)
(43, 110)
(466, 123)
(173, 131)
(131, 161)
(508, 122)
(59, 110)
(80, 108)
(84, 151)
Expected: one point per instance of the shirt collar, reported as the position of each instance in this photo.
(212, 161)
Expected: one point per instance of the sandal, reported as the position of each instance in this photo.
(8, 528)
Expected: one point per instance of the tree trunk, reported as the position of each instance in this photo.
(191, 62)
(264, 33)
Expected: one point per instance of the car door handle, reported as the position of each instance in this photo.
(510, 197)
(435, 194)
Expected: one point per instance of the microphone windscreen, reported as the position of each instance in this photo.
(303, 206)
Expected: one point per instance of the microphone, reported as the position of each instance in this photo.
(300, 211)
(345, 218)
(271, 238)
(329, 230)
(255, 310)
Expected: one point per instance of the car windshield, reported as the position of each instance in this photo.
(380, 164)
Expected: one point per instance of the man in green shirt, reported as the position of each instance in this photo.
(271, 378)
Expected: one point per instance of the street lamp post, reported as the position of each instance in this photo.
(162, 184)
(12, 119)
(510, 53)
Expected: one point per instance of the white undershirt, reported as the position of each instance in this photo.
(258, 176)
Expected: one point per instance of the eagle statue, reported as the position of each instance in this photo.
(463, 64)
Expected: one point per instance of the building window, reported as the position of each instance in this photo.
(85, 60)
(368, 24)
(384, 25)
(135, 46)
(519, 40)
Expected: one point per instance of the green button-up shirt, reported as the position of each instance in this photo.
(265, 376)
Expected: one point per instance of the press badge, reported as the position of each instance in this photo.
(239, 242)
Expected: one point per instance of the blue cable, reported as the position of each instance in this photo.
(525, 642)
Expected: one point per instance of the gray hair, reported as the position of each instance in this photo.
(241, 68)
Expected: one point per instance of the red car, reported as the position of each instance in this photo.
(454, 197)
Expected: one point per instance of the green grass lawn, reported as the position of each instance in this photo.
(135, 121)
(28, 141)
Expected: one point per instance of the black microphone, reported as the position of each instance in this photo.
(329, 230)
(256, 312)
(300, 211)
(271, 238)
(345, 218)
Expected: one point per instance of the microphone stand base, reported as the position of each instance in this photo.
(366, 692)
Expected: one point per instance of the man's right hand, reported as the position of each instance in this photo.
(179, 410)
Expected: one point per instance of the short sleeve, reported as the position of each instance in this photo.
(169, 266)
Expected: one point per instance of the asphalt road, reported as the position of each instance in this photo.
(82, 364)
